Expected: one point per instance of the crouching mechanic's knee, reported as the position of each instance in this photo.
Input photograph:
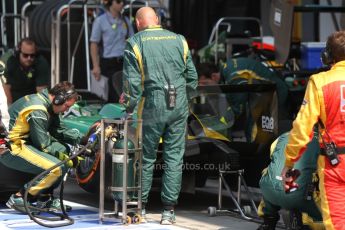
(58, 172)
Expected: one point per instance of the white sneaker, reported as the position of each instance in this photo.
(143, 216)
(168, 217)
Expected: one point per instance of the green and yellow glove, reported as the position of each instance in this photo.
(71, 163)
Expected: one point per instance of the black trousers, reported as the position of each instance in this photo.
(109, 66)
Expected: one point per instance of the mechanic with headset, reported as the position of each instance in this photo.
(107, 44)
(38, 141)
(26, 71)
(324, 104)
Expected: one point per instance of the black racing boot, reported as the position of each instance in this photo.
(269, 223)
(296, 222)
(293, 220)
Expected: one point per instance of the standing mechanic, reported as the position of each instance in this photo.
(303, 199)
(108, 40)
(158, 70)
(37, 139)
(324, 103)
(26, 71)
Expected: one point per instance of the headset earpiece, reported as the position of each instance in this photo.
(62, 97)
(326, 57)
(59, 99)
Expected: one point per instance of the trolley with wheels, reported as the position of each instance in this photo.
(245, 211)
(126, 136)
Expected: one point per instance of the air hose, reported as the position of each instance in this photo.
(34, 214)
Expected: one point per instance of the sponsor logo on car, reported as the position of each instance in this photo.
(267, 123)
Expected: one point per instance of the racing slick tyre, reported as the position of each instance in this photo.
(88, 171)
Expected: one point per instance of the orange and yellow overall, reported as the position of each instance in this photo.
(324, 101)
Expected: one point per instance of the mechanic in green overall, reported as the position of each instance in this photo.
(158, 74)
(241, 71)
(245, 70)
(304, 199)
(38, 142)
(251, 70)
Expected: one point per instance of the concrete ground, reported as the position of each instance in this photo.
(191, 212)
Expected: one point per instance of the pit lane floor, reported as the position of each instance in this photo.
(191, 212)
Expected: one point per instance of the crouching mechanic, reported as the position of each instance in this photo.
(304, 199)
(38, 142)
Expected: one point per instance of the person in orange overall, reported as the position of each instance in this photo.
(323, 104)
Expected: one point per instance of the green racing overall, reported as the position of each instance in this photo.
(36, 136)
(154, 59)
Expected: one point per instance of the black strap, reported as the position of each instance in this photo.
(340, 150)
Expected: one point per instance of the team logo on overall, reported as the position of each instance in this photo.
(342, 98)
